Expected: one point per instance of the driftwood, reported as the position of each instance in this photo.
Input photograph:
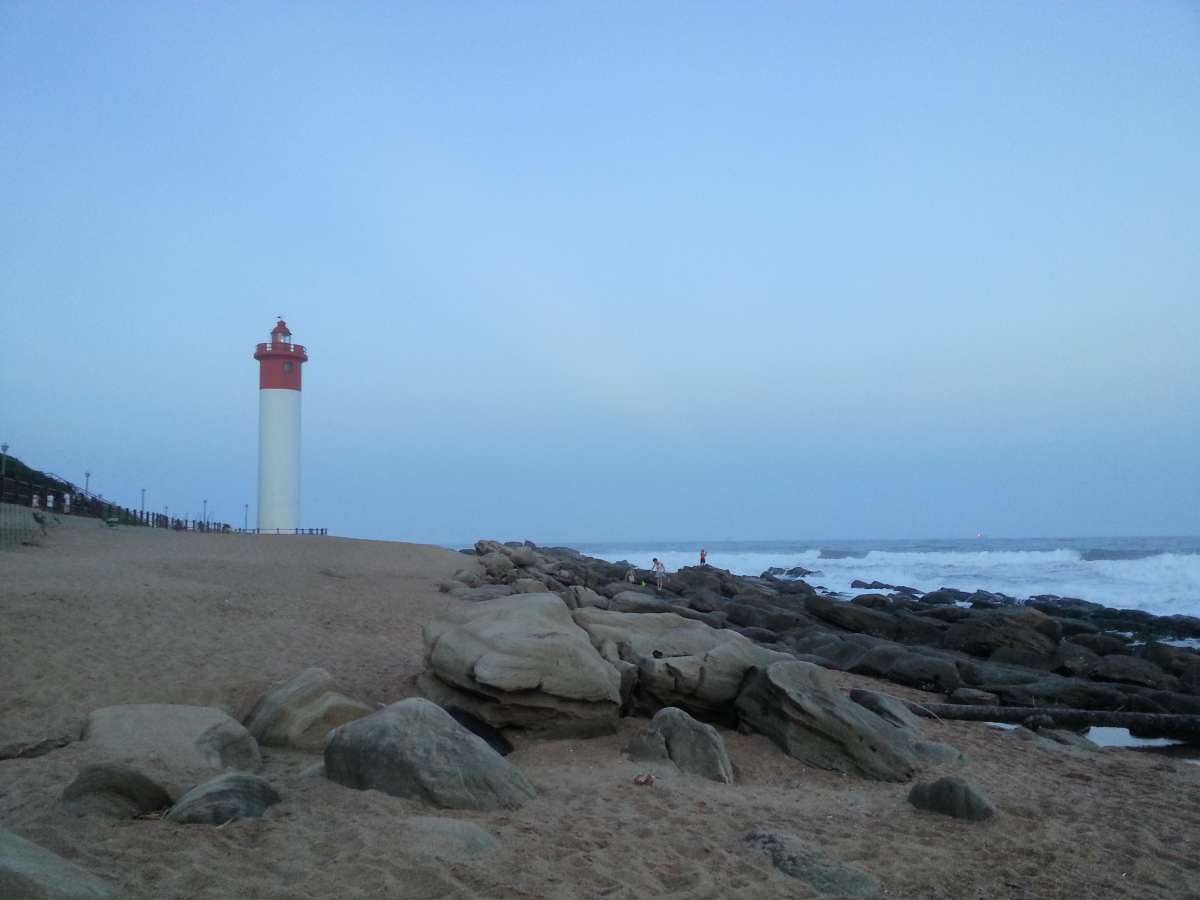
(1171, 725)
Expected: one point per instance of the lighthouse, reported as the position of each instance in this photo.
(279, 362)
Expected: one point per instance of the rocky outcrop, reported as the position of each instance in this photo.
(886, 707)
(414, 749)
(677, 662)
(807, 863)
(521, 661)
(300, 713)
(984, 632)
(175, 744)
(952, 797)
(694, 747)
(798, 706)
(27, 870)
(223, 799)
(109, 791)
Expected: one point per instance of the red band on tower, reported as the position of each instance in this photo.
(279, 361)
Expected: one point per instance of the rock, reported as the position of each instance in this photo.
(985, 631)
(529, 586)
(578, 596)
(467, 577)
(226, 797)
(523, 556)
(1069, 739)
(1130, 670)
(1073, 659)
(928, 673)
(299, 713)
(481, 729)
(945, 597)
(414, 749)
(679, 662)
(937, 753)
(109, 791)
(1101, 644)
(451, 584)
(695, 748)
(888, 708)
(952, 797)
(175, 744)
(798, 706)
(497, 565)
(973, 697)
(872, 601)
(522, 662)
(27, 870)
(807, 863)
(484, 593)
(852, 617)
(449, 840)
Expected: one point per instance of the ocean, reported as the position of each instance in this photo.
(1158, 575)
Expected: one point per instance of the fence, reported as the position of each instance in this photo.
(55, 496)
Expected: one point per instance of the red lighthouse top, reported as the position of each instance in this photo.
(279, 360)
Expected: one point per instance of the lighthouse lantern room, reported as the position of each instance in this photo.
(279, 364)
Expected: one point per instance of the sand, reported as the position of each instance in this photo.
(97, 616)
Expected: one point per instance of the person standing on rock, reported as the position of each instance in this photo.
(703, 557)
(660, 572)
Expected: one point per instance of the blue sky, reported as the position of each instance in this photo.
(614, 271)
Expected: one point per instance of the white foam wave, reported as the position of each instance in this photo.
(1163, 584)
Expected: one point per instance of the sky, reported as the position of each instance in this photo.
(588, 272)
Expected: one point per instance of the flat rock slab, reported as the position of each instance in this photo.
(694, 747)
(414, 749)
(176, 743)
(799, 707)
(446, 839)
(952, 797)
(887, 707)
(807, 863)
(113, 792)
(224, 798)
(301, 712)
(30, 871)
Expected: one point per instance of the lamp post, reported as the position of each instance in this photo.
(143, 504)
(204, 515)
(246, 518)
(3, 459)
(87, 481)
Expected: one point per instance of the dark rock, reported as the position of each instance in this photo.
(1012, 656)
(915, 629)
(1182, 662)
(807, 863)
(1068, 739)
(873, 601)
(1130, 670)
(851, 617)
(1073, 659)
(481, 729)
(235, 795)
(945, 597)
(799, 707)
(859, 584)
(415, 749)
(989, 630)
(952, 797)
(978, 673)
(1102, 644)
(928, 673)
(113, 792)
(1072, 627)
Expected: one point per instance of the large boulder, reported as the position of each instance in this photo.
(175, 744)
(799, 707)
(226, 797)
(109, 791)
(27, 870)
(806, 862)
(414, 749)
(692, 746)
(678, 662)
(887, 707)
(1130, 670)
(301, 712)
(985, 631)
(522, 662)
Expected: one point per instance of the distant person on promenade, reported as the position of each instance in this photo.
(703, 557)
(660, 572)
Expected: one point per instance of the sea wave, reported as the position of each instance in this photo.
(1162, 583)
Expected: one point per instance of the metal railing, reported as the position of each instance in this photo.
(281, 346)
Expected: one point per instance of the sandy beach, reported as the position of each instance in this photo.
(94, 616)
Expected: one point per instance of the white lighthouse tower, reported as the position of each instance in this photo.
(279, 362)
